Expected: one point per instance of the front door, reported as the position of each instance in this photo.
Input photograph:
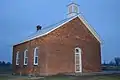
(78, 62)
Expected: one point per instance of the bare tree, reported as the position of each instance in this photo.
(112, 63)
(117, 61)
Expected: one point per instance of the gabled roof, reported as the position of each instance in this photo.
(53, 27)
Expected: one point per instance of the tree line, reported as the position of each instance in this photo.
(114, 62)
(113, 65)
(5, 67)
(3, 63)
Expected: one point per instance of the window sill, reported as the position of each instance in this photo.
(35, 64)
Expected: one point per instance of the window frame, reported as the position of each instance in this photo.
(26, 57)
(78, 53)
(36, 56)
(17, 58)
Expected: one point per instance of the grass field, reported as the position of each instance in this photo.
(3, 78)
(105, 77)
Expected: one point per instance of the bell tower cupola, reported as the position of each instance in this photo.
(73, 9)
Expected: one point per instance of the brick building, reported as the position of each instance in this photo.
(69, 46)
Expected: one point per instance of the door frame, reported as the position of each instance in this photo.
(80, 60)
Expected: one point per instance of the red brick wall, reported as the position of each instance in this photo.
(30, 68)
(57, 50)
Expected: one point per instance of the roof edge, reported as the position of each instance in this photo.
(91, 29)
(47, 32)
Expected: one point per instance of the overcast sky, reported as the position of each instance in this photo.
(18, 19)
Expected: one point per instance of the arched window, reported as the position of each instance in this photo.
(17, 58)
(78, 62)
(26, 57)
(77, 50)
(36, 51)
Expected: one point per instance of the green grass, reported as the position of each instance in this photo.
(3, 78)
(105, 77)
(114, 77)
(58, 78)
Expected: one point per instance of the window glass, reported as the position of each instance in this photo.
(77, 58)
(77, 50)
(36, 51)
(77, 67)
(36, 60)
(26, 60)
(25, 57)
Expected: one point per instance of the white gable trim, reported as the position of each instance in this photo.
(81, 18)
(91, 29)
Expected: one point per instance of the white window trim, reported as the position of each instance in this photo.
(17, 58)
(80, 53)
(25, 56)
(35, 55)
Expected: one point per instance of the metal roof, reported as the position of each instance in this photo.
(52, 27)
